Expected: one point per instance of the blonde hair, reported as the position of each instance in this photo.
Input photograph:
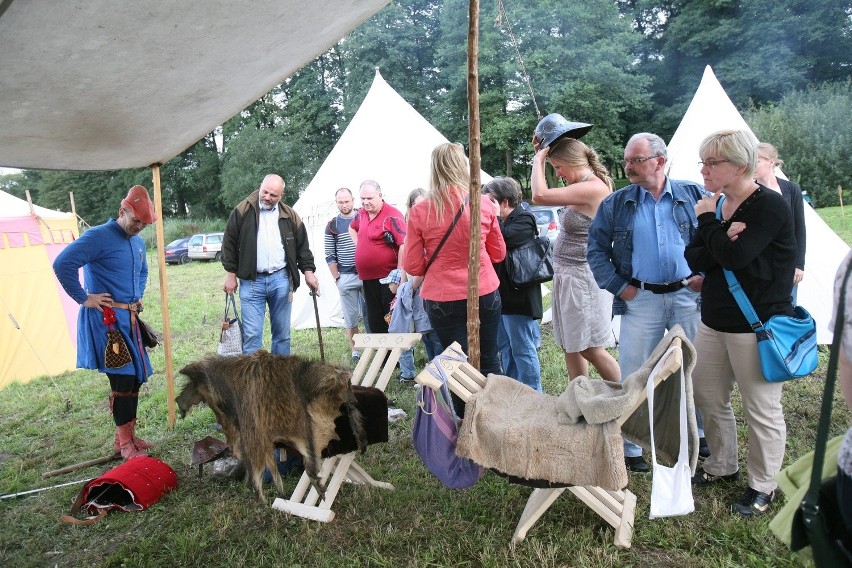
(768, 150)
(739, 147)
(576, 154)
(450, 175)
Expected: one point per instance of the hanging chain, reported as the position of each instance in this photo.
(501, 15)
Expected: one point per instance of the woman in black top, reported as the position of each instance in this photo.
(518, 334)
(754, 238)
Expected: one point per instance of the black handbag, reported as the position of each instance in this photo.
(147, 333)
(530, 263)
(818, 520)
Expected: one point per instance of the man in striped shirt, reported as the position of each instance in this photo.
(340, 257)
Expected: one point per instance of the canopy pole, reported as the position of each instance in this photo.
(473, 323)
(164, 293)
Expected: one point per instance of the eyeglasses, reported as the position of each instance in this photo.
(634, 161)
(712, 163)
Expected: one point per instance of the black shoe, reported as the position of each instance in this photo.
(637, 464)
(406, 380)
(753, 503)
(703, 449)
(701, 477)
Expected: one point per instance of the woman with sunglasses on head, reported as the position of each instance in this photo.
(752, 236)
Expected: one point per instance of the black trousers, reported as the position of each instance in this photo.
(124, 398)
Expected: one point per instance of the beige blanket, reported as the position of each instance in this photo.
(514, 429)
(594, 401)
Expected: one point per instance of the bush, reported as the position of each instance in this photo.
(812, 132)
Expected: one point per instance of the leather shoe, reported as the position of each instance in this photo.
(636, 464)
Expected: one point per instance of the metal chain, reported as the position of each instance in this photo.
(501, 15)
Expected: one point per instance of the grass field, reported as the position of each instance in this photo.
(53, 422)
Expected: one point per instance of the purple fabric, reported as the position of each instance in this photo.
(435, 435)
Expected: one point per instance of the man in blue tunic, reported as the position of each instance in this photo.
(115, 271)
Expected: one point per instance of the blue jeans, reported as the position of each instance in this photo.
(516, 341)
(449, 321)
(272, 289)
(406, 360)
(643, 325)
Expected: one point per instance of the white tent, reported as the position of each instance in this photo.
(388, 141)
(711, 110)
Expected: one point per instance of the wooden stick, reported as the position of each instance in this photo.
(840, 195)
(475, 197)
(164, 294)
(81, 465)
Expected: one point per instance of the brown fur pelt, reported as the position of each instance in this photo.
(264, 401)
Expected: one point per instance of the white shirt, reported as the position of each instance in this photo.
(270, 250)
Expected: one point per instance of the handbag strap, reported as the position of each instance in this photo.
(446, 235)
(736, 289)
(230, 303)
(811, 499)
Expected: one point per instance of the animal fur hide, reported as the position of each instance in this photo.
(264, 401)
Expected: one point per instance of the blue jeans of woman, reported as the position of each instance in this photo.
(516, 342)
(272, 289)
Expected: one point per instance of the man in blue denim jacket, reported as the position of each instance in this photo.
(635, 251)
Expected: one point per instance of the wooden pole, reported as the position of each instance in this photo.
(164, 294)
(30, 201)
(475, 198)
(73, 206)
(840, 195)
(81, 465)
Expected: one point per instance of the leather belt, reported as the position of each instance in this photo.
(658, 288)
(271, 271)
(128, 307)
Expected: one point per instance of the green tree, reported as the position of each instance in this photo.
(759, 49)
(811, 130)
(580, 64)
(191, 181)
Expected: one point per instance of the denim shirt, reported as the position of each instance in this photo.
(610, 250)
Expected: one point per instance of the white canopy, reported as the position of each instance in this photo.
(387, 141)
(103, 85)
(711, 110)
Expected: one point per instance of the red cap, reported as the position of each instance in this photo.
(139, 203)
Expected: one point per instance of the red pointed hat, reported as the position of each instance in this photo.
(137, 200)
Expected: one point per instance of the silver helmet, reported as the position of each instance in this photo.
(554, 126)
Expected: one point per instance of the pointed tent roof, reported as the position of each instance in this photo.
(388, 141)
(711, 110)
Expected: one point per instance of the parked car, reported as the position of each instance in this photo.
(206, 246)
(177, 252)
(547, 219)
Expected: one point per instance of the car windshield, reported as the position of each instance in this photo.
(177, 243)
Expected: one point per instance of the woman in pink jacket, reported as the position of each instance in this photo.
(445, 283)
